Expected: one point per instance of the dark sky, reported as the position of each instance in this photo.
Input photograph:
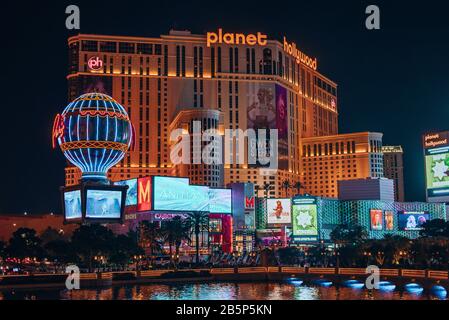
(394, 80)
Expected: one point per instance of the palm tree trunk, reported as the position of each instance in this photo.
(197, 246)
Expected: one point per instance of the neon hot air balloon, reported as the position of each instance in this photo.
(94, 132)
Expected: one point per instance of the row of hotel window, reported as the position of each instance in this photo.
(266, 65)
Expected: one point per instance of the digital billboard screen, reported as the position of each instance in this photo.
(72, 205)
(412, 221)
(279, 211)
(437, 174)
(103, 204)
(131, 193)
(436, 158)
(220, 200)
(376, 222)
(175, 194)
(389, 220)
(305, 218)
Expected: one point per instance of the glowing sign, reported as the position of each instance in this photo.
(106, 204)
(412, 221)
(58, 129)
(131, 193)
(300, 57)
(95, 63)
(249, 203)
(432, 140)
(279, 211)
(144, 194)
(376, 219)
(305, 218)
(236, 38)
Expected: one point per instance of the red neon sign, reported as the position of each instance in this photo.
(144, 194)
(249, 202)
(95, 63)
(58, 129)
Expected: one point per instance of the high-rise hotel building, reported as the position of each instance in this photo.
(224, 80)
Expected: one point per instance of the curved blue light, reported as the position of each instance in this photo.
(323, 282)
(386, 286)
(353, 284)
(439, 291)
(414, 288)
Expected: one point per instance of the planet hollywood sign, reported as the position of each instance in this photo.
(95, 63)
(300, 57)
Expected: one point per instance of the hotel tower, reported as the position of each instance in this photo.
(222, 80)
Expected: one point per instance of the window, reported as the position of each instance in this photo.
(108, 46)
(144, 48)
(87, 45)
(126, 47)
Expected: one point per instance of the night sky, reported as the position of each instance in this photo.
(394, 80)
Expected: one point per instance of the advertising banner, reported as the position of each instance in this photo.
(279, 211)
(175, 194)
(103, 204)
(131, 193)
(412, 221)
(376, 219)
(282, 126)
(72, 204)
(389, 220)
(144, 194)
(305, 218)
(436, 152)
(220, 200)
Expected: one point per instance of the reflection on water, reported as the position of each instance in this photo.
(213, 291)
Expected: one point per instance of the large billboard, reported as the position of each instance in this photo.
(279, 211)
(72, 205)
(267, 109)
(411, 220)
(176, 194)
(220, 200)
(131, 193)
(376, 222)
(305, 219)
(282, 126)
(436, 153)
(389, 220)
(103, 204)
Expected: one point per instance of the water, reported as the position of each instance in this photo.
(214, 291)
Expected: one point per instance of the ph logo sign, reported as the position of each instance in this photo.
(95, 63)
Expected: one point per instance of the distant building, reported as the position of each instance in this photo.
(394, 169)
(349, 156)
(366, 189)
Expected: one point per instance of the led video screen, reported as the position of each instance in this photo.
(437, 174)
(175, 194)
(389, 220)
(279, 211)
(72, 204)
(412, 221)
(305, 218)
(220, 201)
(103, 204)
(131, 193)
(376, 219)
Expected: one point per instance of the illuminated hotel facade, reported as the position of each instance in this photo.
(224, 80)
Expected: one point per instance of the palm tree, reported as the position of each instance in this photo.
(174, 231)
(151, 236)
(286, 185)
(198, 222)
(298, 186)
